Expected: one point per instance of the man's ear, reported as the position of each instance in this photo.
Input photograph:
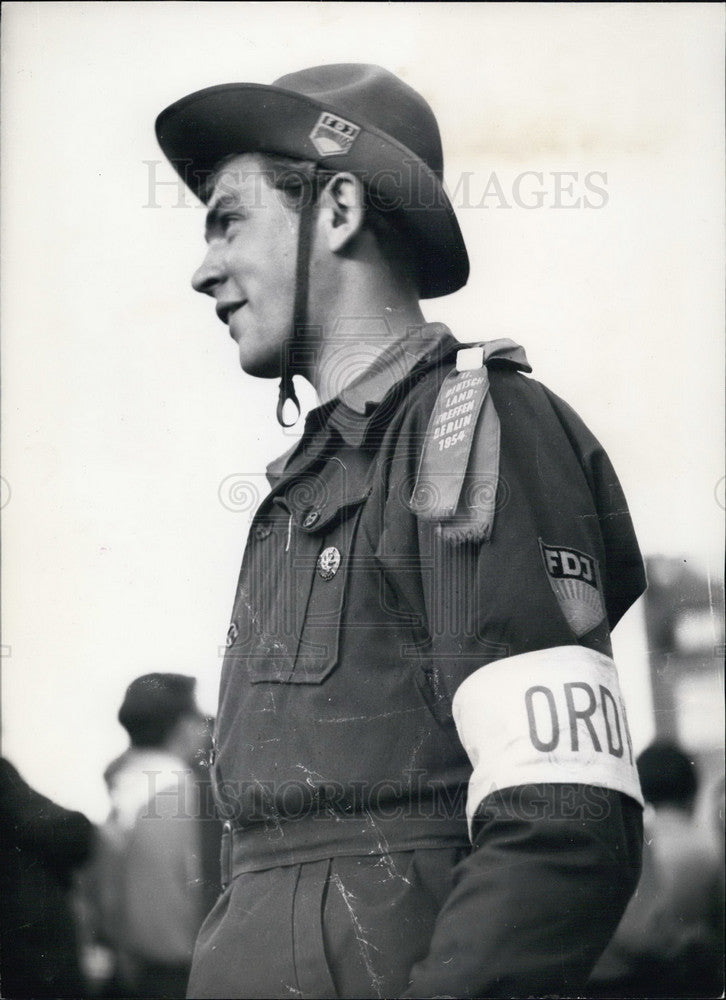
(342, 210)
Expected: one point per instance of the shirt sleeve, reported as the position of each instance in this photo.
(520, 654)
(537, 900)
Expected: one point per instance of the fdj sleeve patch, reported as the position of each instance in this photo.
(575, 580)
(555, 715)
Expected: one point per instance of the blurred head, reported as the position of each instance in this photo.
(160, 711)
(668, 776)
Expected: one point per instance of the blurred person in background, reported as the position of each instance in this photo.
(151, 874)
(670, 940)
(41, 846)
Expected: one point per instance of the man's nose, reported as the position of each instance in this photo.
(209, 273)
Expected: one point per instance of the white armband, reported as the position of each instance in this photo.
(554, 715)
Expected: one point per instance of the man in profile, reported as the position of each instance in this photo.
(421, 750)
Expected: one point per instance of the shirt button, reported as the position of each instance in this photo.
(232, 633)
(311, 518)
(262, 531)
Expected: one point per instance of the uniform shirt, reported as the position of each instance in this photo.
(391, 685)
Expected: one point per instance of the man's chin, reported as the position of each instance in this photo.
(259, 367)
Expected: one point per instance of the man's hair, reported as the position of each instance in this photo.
(302, 181)
(667, 775)
(153, 705)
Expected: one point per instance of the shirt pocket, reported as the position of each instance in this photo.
(326, 558)
(293, 587)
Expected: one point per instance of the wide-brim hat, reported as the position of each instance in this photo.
(351, 117)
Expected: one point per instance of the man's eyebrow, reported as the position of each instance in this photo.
(211, 218)
(217, 204)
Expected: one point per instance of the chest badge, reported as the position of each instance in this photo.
(329, 562)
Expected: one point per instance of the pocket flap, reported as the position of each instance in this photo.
(317, 499)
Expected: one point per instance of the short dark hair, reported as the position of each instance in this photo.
(153, 705)
(667, 775)
(302, 180)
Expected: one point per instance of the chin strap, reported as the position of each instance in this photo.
(300, 307)
(287, 393)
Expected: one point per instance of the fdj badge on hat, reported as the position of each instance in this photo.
(333, 135)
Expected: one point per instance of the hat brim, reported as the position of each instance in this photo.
(199, 130)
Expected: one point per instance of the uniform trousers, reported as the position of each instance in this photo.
(339, 927)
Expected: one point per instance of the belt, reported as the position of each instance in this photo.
(293, 842)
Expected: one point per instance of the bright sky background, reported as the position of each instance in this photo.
(124, 409)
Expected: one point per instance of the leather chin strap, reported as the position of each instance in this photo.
(300, 307)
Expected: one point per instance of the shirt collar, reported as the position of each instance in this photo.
(353, 410)
(357, 403)
(313, 422)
